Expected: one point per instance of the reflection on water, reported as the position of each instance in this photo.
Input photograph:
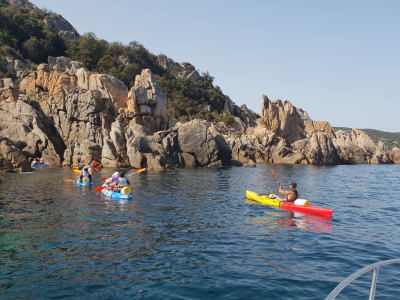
(299, 220)
(189, 234)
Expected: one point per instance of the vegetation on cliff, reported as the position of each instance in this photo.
(25, 34)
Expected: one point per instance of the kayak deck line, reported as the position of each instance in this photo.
(310, 209)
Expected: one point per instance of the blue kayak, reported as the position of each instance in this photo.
(84, 183)
(40, 165)
(117, 195)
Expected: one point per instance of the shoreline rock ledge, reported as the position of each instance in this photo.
(286, 134)
(67, 114)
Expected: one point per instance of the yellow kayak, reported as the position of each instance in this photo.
(300, 205)
(263, 199)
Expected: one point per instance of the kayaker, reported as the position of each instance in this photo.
(291, 195)
(122, 180)
(85, 174)
(90, 169)
(112, 182)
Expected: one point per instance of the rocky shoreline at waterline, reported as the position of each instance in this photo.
(66, 114)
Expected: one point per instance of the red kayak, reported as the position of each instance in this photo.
(301, 206)
(321, 211)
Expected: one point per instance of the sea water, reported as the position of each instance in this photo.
(191, 234)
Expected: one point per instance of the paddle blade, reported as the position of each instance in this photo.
(68, 180)
(274, 175)
(103, 178)
(141, 170)
(99, 189)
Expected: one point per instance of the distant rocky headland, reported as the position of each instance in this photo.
(160, 114)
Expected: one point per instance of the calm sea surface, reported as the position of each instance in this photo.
(191, 234)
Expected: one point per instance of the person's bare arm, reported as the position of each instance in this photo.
(283, 192)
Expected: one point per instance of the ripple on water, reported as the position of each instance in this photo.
(191, 234)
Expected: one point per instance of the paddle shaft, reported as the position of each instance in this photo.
(275, 177)
(137, 172)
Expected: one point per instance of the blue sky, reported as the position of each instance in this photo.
(338, 60)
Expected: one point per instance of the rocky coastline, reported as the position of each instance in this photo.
(67, 114)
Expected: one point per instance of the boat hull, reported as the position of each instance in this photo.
(116, 195)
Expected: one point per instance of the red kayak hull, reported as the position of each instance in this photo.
(315, 210)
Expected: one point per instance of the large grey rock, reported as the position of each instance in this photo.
(187, 160)
(148, 103)
(63, 64)
(23, 124)
(195, 137)
(109, 154)
(61, 26)
(84, 152)
(11, 157)
(395, 155)
(155, 162)
(320, 150)
(189, 72)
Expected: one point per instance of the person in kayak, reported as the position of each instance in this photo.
(85, 174)
(112, 182)
(291, 195)
(122, 181)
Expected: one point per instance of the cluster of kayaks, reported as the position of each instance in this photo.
(305, 206)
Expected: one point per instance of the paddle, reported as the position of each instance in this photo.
(98, 189)
(137, 172)
(275, 177)
(71, 180)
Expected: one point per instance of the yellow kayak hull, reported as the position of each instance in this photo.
(263, 199)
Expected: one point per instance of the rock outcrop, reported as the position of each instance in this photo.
(189, 72)
(11, 157)
(286, 134)
(148, 103)
(67, 115)
(61, 26)
(55, 22)
(188, 145)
